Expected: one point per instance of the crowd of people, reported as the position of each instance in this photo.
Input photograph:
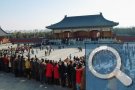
(67, 73)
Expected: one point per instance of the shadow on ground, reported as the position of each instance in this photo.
(9, 82)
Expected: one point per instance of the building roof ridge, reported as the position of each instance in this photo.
(82, 16)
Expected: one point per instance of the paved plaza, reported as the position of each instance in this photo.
(55, 55)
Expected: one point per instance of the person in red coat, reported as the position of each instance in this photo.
(79, 71)
(56, 74)
(49, 72)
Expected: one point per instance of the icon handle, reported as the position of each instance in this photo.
(126, 80)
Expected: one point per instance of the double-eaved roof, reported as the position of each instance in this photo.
(87, 21)
(2, 32)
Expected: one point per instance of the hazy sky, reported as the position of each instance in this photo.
(37, 14)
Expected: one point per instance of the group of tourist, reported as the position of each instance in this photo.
(67, 73)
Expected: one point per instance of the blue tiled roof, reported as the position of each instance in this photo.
(83, 22)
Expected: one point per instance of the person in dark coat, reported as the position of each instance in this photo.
(22, 66)
(0, 62)
(37, 69)
(32, 68)
(73, 76)
(6, 61)
(19, 65)
(42, 70)
(16, 67)
(62, 70)
(69, 74)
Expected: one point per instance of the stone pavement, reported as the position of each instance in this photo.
(55, 55)
(60, 53)
(9, 82)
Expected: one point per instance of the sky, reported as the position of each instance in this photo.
(37, 14)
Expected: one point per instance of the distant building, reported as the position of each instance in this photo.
(83, 28)
(3, 39)
(125, 34)
(26, 40)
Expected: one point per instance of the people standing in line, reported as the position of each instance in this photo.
(22, 66)
(15, 67)
(83, 78)
(62, 70)
(32, 68)
(28, 68)
(12, 59)
(9, 65)
(49, 71)
(73, 75)
(53, 63)
(56, 74)
(19, 65)
(69, 74)
(79, 71)
(42, 71)
(0, 62)
(6, 61)
(63, 73)
(11, 62)
(37, 69)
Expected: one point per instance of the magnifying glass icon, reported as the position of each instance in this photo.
(126, 80)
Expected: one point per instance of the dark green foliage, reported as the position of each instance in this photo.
(124, 31)
(31, 34)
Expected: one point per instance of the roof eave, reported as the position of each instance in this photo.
(56, 28)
